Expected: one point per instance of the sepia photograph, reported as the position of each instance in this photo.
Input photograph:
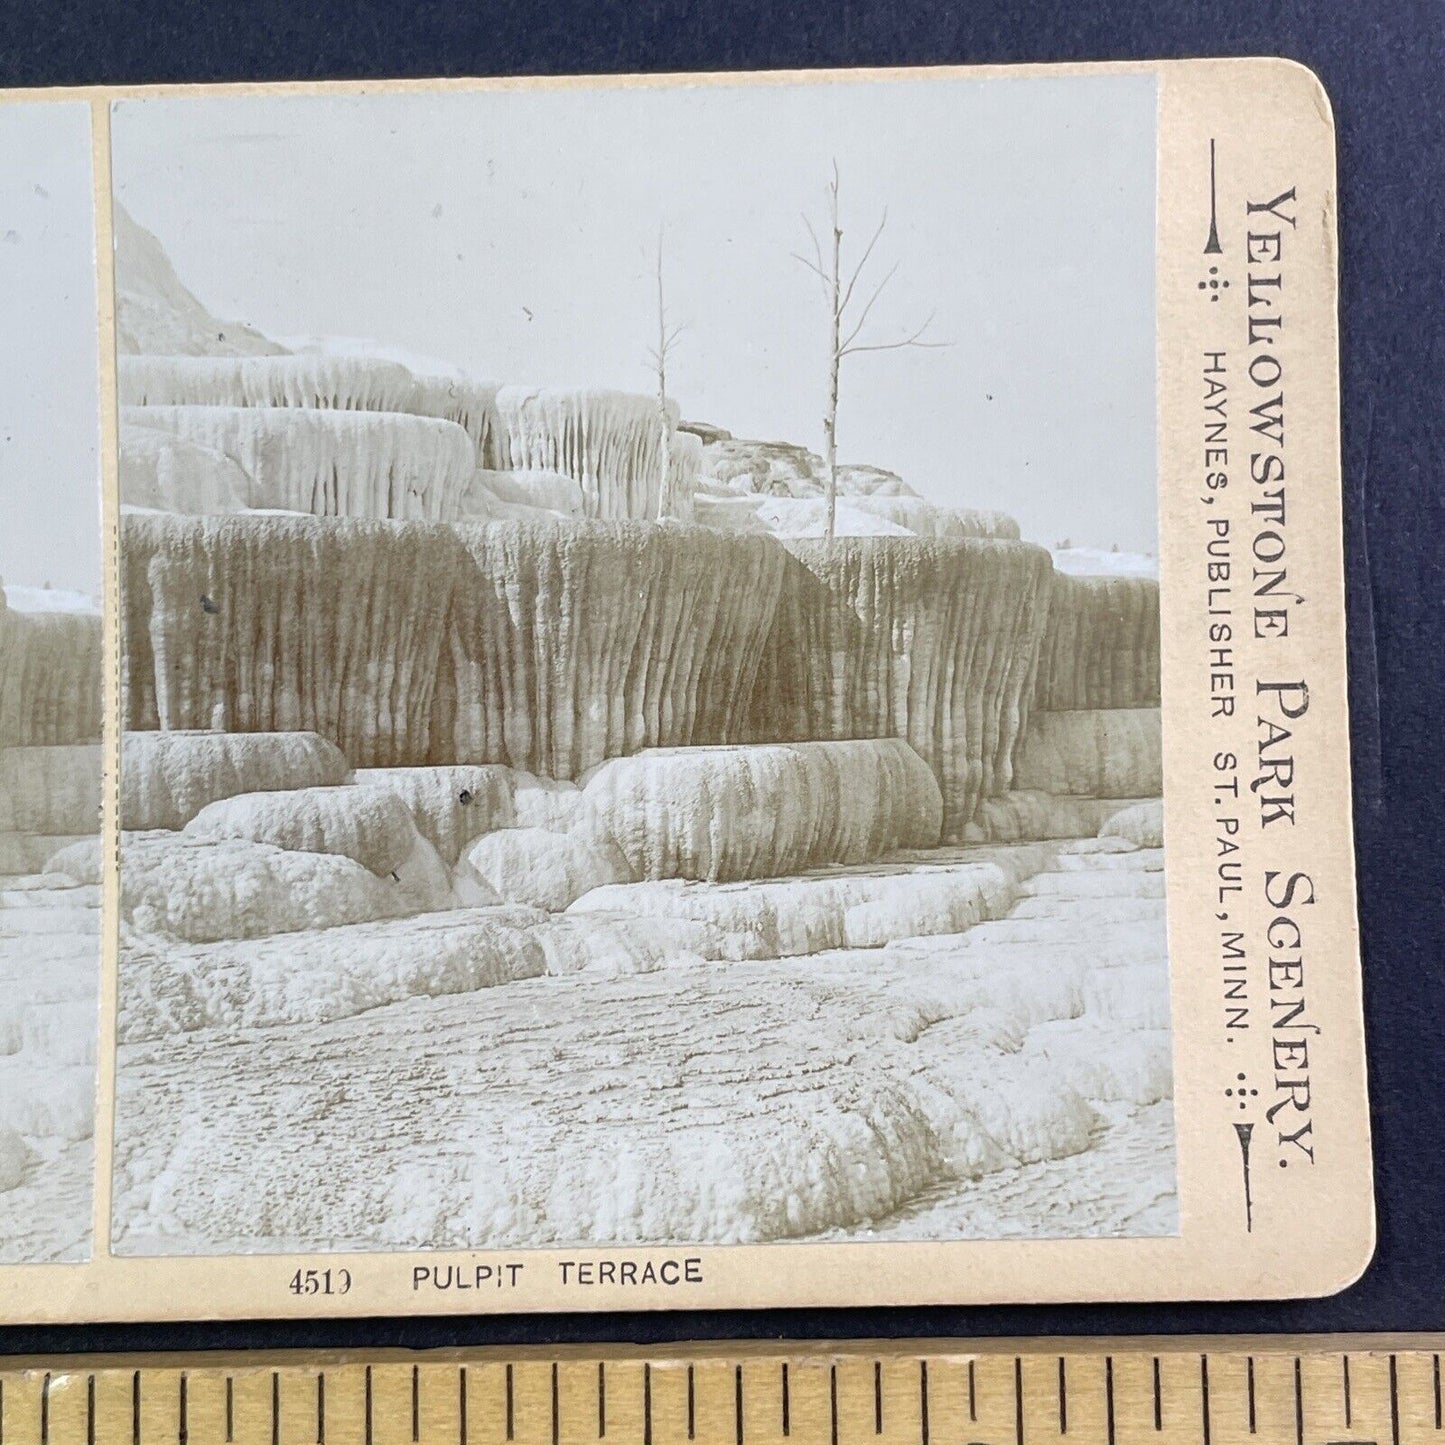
(641, 668)
(50, 682)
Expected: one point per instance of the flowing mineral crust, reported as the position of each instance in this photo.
(586, 874)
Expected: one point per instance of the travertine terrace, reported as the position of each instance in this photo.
(589, 870)
(50, 796)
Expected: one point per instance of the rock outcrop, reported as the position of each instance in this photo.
(1101, 646)
(471, 404)
(542, 869)
(156, 313)
(1028, 817)
(204, 892)
(426, 780)
(1105, 753)
(371, 826)
(331, 463)
(788, 518)
(778, 469)
(449, 805)
(167, 778)
(764, 811)
(609, 442)
(861, 907)
(554, 804)
(902, 1076)
(165, 473)
(566, 646)
(546, 648)
(49, 983)
(288, 624)
(938, 524)
(51, 667)
(932, 642)
(328, 974)
(51, 790)
(337, 973)
(315, 380)
(1141, 824)
(856, 480)
(548, 491)
(882, 515)
(331, 383)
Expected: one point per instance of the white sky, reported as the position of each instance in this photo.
(510, 233)
(49, 390)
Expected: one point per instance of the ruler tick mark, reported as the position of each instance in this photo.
(738, 1404)
(601, 1400)
(321, 1407)
(416, 1402)
(45, 1410)
(90, 1410)
(366, 1406)
(691, 1404)
(833, 1403)
(1204, 1394)
(1063, 1399)
(1299, 1404)
(1109, 1397)
(1436, 1359)
(877, 1397)
(923, 1400)
(135, 1408)
(1394, 1404)
(646, 1403)
(462, 1404)
(1158, 1398)
(183, 1429)
(1349, 1413)
(557, 1411)
(972, 1393)
(1249, 1377)
(1018, 1400)
(275, 1408)
(509, 1402)
(231, 1408)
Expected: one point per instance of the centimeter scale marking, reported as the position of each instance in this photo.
(1300, 1392)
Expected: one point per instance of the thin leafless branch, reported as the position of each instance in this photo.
(817, 245)
(863, 318)
(858, 269)
(820, 274)
(915, 340)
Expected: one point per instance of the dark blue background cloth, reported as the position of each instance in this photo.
(1381, 63)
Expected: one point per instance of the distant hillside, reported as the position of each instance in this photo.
(155, 313)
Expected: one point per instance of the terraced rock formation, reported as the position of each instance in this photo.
(50, 677)
(518, 790)
(880, 1089)
(50, 797)
(1101, 646)
(933, 642)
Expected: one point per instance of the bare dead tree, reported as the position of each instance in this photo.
(667, 335)
(847, 321)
